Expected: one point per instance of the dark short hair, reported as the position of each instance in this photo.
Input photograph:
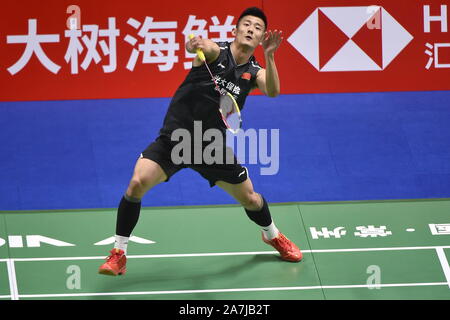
(253, 11)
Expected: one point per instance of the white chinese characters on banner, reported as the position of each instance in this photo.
(112, 33)
(155, 42)
(33, 46)
(75, 48)
(438, 49)
(197, 27)
(222, 29)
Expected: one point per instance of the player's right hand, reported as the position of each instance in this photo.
(195, 43)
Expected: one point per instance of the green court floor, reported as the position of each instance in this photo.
(352, 250)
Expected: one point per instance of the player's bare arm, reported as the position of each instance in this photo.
(267, 79)
(209, 48)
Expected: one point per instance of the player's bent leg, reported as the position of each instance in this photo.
(243, 193)
(147, 174)
(258, 211)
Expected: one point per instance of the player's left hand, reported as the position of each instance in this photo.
(271, 41)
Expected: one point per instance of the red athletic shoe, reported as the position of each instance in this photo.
(288, 250)
(116, 263)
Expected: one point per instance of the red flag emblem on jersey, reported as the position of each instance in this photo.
(246, 76)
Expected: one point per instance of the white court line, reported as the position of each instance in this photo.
(376, 249)
(12, 279)
(231, 290)
(15, 295)
(444, 263)
(184, 255)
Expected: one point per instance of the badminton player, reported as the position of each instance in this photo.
(196, 100)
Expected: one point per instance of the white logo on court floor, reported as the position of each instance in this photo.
(439, 229)
(337, 233)
(372, 231)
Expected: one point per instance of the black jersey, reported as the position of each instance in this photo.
(197, 98)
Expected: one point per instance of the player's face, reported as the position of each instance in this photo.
(250, 31)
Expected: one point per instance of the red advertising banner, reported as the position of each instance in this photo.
(362, 46)
(85, 49)
(58, 49)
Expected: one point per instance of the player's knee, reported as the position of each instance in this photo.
(251, 201)
(137, 187)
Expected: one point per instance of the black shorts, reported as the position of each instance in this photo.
(160, 151)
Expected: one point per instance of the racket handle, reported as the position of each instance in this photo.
(200, 53)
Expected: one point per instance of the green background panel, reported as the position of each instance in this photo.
(397, 293)
(396, 267)
(82, 228)
(4, 280)
(189, 230)
(4, 236)
(313, 294)
(161, 274)
(351, 268)
(396, 216)
(217, 229)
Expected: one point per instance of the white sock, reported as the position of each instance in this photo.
(121, 243)
(270, 231)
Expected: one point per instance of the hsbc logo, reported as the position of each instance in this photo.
(350, 38)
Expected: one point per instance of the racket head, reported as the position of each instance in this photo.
(230, 112)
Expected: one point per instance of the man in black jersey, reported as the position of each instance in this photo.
(196, 102)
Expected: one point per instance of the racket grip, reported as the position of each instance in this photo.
(199, 51)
